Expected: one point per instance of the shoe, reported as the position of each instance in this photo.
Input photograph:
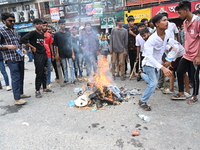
(192, 101)
(8, 88)
(72, 83)
(1, 87)
(49, 86)
(122, 78)
(20, 102)
(47, 91)
(24, 96)
(114, 78)
(167, 91)
(65, 81)
(187, 95)
(38, 94)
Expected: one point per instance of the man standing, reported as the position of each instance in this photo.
(90, 47)
(64, 50)
(48, 40)
(192, 49)
(119, 47)
(35, 40)
(9, 43)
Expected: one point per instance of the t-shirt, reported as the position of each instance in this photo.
(119, 40)
(140, 42)
(36, 39)
(47, 41)
(64, 43)
(173, 29)
(131, 38)
(192, 38)
(76, 45)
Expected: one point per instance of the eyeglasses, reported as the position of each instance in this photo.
(11, 21)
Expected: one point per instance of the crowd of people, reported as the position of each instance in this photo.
(156, 46)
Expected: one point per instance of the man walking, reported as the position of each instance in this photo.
(9, 43)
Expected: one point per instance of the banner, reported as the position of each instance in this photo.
(195, 5)
(55, 17)
(138, 14)
(89, 9)
(170, 9)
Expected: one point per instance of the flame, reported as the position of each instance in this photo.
(103, 76)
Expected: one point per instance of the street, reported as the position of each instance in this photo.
(49, 123)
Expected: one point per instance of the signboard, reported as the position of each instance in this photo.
(170, 9)
(89, 9)
(95, 21)
(97, 9)
(138, 14)
(195, 5)
(55, 17)
(111, 20)
(140, 2)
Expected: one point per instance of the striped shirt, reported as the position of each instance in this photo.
(9, 37)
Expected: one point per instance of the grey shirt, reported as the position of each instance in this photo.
(119, 40)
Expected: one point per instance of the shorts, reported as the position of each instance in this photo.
(175, 64)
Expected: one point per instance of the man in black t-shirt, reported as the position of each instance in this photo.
(64, 50)
(35, 40)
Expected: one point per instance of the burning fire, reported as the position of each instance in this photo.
(103, 76)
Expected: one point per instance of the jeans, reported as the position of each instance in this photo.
(48, 70)
(17, 76)
(151, 78)
(70, 62)
(78, 63)
(91, 62)
(4, 73)
(30, 55)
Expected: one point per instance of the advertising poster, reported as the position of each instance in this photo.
(55, 17)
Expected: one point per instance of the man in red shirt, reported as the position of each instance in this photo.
(192, 47)
(48, 44)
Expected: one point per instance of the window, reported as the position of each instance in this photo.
(46, 7)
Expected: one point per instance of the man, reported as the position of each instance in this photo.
(132, 32)
(192, 47)
(9, 43)
(78, 54)
(35, 40)
(145, 21)
(154, 48)
(48, 44)
(64, 50)
(119, 47)
(90, 47)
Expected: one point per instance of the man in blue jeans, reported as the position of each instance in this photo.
(9, 43)
(154, 48)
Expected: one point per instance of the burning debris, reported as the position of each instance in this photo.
(100, 91)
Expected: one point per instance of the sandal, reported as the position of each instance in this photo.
(139, 75)
(144, 106)
(192, 100)
(38, 94)
(178, 97)
(47, 91)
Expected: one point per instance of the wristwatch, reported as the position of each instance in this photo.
(1, 46)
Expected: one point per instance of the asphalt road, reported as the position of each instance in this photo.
(49, 123)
